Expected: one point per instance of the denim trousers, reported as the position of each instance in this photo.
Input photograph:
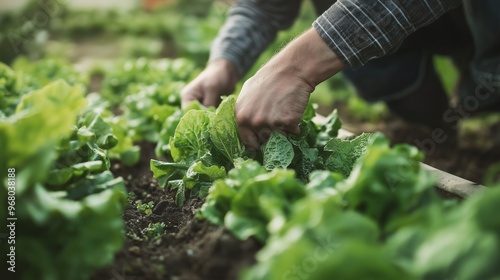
(470, 35)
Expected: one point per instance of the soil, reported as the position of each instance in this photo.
(190, 249)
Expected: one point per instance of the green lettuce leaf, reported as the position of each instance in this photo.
(198, 172)
(329, 129)
(224, 131)
(164, 171)
(277, 152)
(388, 184)
(345, 153)
(188, 143)
(42, 118)
(262, 205)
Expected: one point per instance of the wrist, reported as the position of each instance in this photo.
(309, 58)
(225, 67)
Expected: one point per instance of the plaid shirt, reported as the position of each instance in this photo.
(355, 30)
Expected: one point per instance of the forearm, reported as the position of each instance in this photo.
(308, 58)
(362, 30)
(250, 28)
(277, 95)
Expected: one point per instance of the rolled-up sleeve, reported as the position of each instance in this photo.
(358, 31)
(251, 26)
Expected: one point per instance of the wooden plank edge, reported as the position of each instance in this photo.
(445, 181)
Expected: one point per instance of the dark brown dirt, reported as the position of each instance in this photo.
(188, 249)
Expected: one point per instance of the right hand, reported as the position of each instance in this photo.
(219, 78)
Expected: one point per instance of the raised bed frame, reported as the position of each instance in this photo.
(450, 184)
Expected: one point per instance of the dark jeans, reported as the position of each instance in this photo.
(470, 35)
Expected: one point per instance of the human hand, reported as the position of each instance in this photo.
(270, 100)
(219, 78)
(276, 96)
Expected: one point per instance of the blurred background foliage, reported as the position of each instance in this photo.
(94, 34)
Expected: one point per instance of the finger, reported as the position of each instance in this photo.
(286, 129)
(295, 129)
(189, 95)
(211, 99)
(263, 135)
(249, 138)
(185, 100)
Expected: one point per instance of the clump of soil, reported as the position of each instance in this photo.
(189, 248)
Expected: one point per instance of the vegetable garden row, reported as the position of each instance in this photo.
(124, 184)
(320, 206)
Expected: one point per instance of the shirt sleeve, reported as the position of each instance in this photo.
(251, 26)
(358, 31)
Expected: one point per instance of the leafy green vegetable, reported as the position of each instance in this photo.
(159, 81)
(188, 142)
(49, 140)
(8, 94)
(33, 75)
(154, 231)
(306, 158)
(94, 219)
(26, 135)
(92, 128)
(345, 153)
(277, 151)
(321, 240)
(388, 184)
(220, 195)
(329, 129)
(184, 177)
(320, 181)
(463, 242)
(198, 172)
(147, 208)
(163, 171)
(224, 132)
(252, 202)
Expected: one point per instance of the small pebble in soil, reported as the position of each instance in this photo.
(135, 250)
(190, 252)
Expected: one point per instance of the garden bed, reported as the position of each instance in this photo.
(189, 249)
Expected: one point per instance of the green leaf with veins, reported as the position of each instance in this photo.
(329, 129)
(199, 172)
(224, 131)
(180, 195)
(187, 142)
(345, 153)
(278, 152)
(262, 205)
(59, 177)
(92, 128)
(164, 171)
